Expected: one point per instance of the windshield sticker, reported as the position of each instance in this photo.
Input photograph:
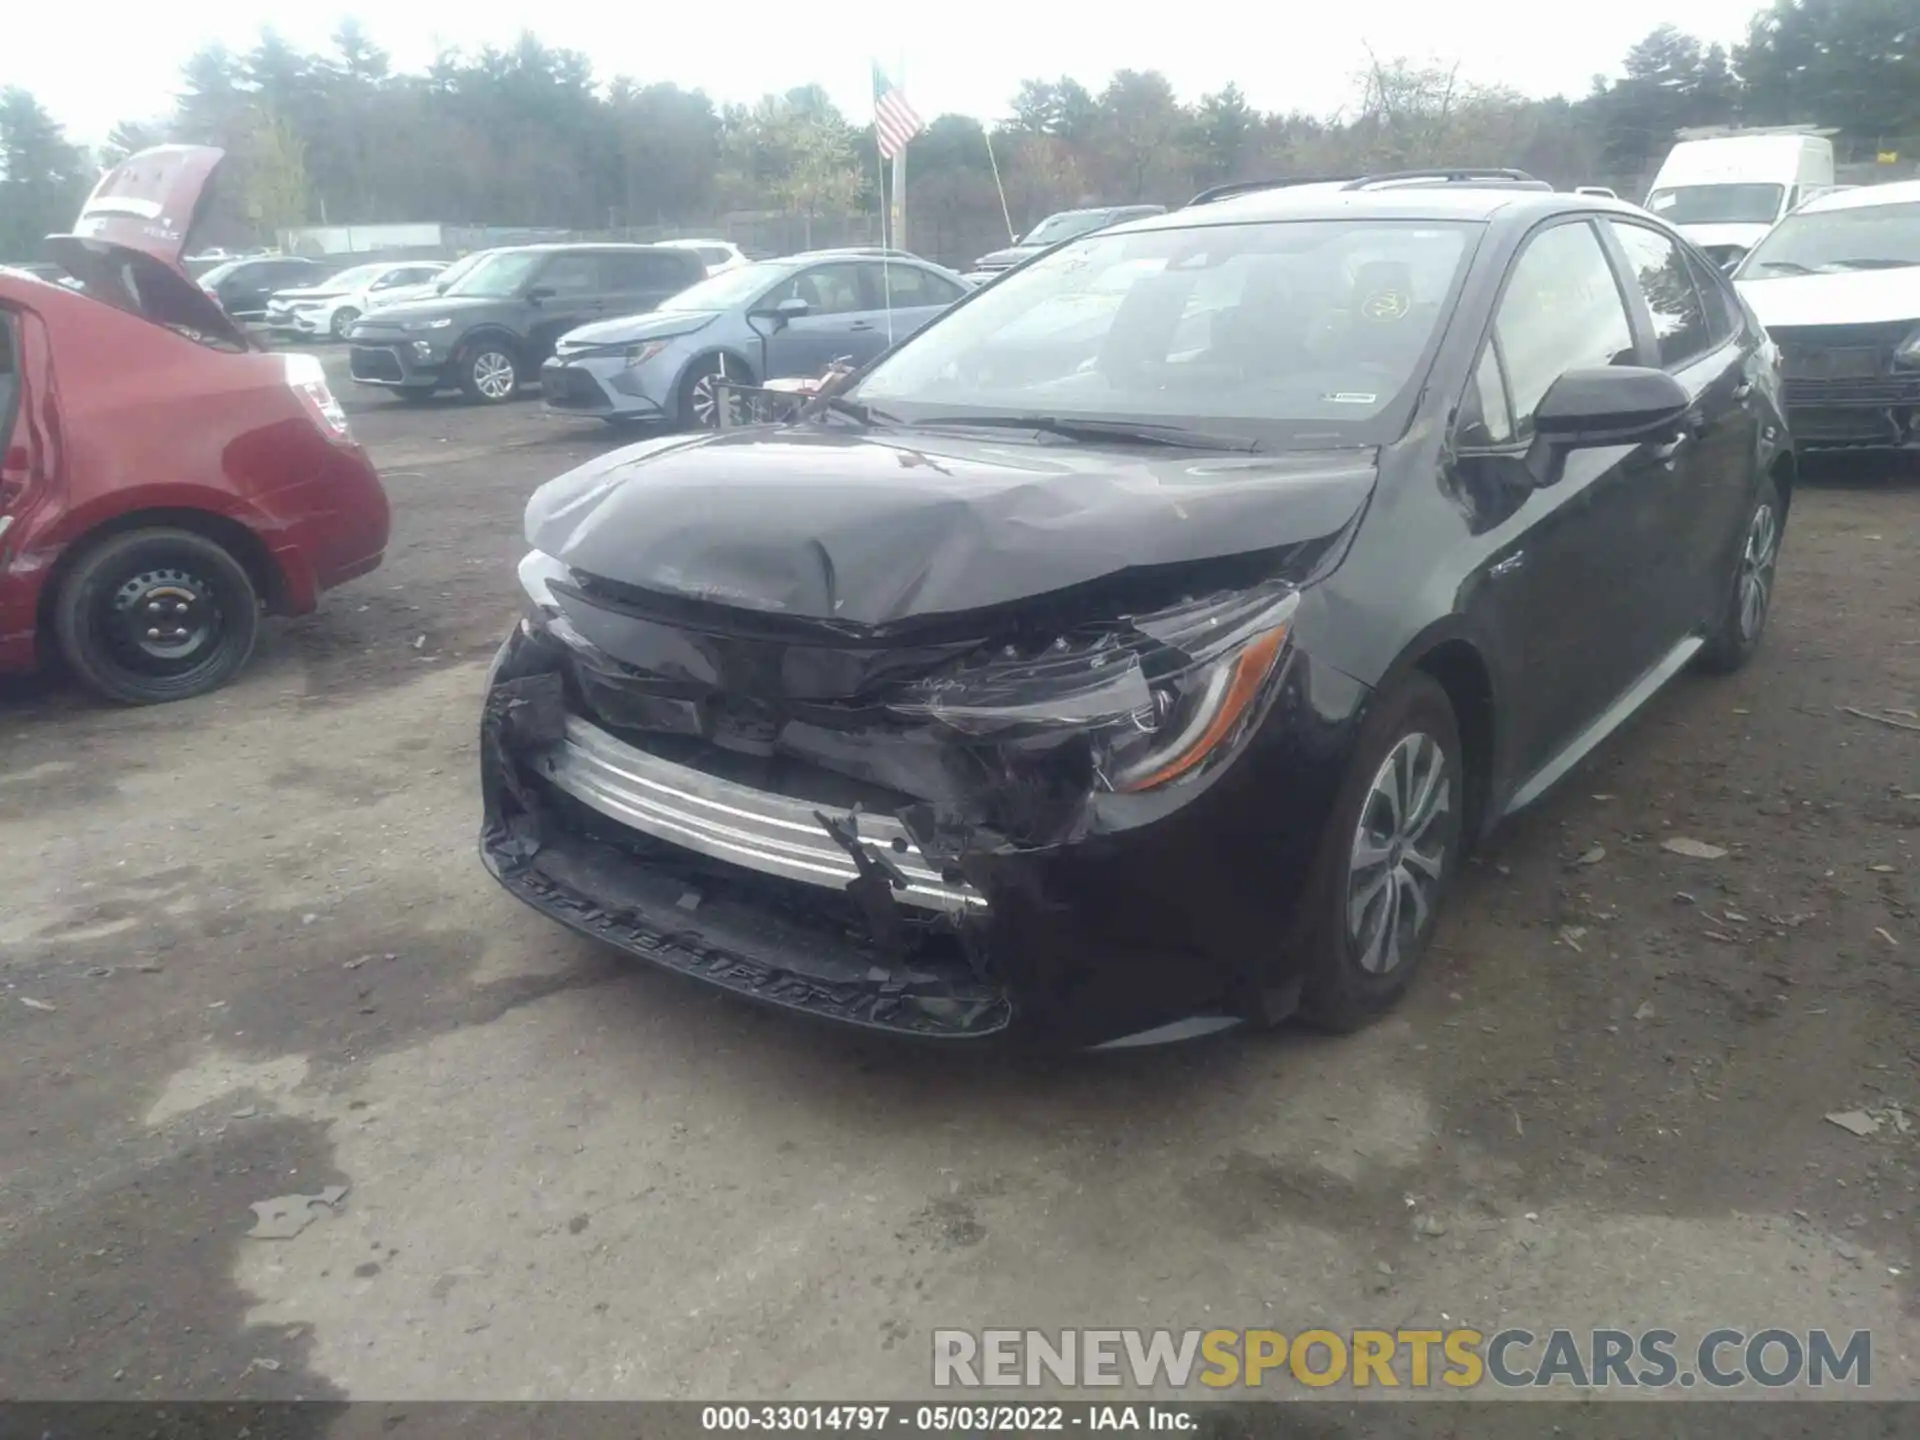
(1351, 397)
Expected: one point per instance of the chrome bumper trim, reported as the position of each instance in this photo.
(773, 834)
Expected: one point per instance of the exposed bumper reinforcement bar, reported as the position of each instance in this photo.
(773, 834)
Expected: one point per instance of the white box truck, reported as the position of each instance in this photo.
(1725, 192)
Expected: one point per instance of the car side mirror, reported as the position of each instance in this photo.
(791, 308)
(1606, 405)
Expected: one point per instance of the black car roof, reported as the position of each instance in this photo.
(1332, 200)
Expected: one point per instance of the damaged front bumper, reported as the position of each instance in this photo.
(1175, 918)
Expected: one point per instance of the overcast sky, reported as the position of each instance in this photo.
(967, 57)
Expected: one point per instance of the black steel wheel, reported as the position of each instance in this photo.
(149, 616)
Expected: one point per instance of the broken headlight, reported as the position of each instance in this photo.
(1160, 697)
(536, 570)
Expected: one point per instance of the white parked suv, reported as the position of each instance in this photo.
(330, 307)
(1837, 285)
(716, 255)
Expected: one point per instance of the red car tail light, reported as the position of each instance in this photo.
(307, 378)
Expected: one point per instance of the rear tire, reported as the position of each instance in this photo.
(1387, 859)
(489, 373)
(149, 616)
(1745, 619)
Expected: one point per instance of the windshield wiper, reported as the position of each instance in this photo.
(1875, 263)
(1793, 267)
(856, 409)
(1140, 432)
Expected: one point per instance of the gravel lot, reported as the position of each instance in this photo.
(263, 959)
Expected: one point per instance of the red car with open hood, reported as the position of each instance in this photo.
(163, 479)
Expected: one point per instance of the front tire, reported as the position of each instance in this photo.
(1745, 619)
(489, 373)
(149, 616)
(343, 321)
(700, 399)
(1387, 859)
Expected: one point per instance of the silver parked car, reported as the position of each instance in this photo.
(771, 320)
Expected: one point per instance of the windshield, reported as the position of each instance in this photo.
(498, 275)
(727, 289)
(1308, 330)
(1717, 204)
(1864, 237)
(1064, 226)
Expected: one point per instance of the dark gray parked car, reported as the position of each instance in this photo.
(488, 333)
(243, 287)
(1065, 225)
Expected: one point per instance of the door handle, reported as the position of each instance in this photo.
(1666, 454)
(861, 325)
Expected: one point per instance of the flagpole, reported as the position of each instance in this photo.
(1005, 213)
(900, 175)
(900, 198)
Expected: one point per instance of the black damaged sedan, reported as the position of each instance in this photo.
(1137, 649)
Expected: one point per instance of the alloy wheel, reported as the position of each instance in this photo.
(343, 321)
(1399, 853)
(706, 397)
(1756, 571)
(493, 374)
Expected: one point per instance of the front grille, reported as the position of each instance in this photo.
(375, 363)
(1839, 352)
(1865, 391)
(570, 388)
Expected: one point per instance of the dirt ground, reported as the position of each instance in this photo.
(247, 951)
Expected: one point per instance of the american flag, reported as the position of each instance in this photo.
(894, 119)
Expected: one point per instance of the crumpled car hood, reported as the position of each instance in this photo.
(868, 528)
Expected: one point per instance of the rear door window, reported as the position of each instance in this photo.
(651, 271)
(1679, 317)
(1716, 295)
(569, 275)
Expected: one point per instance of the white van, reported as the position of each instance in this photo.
(1724, 194)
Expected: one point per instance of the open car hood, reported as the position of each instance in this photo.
(131, 234)
(865, 530)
